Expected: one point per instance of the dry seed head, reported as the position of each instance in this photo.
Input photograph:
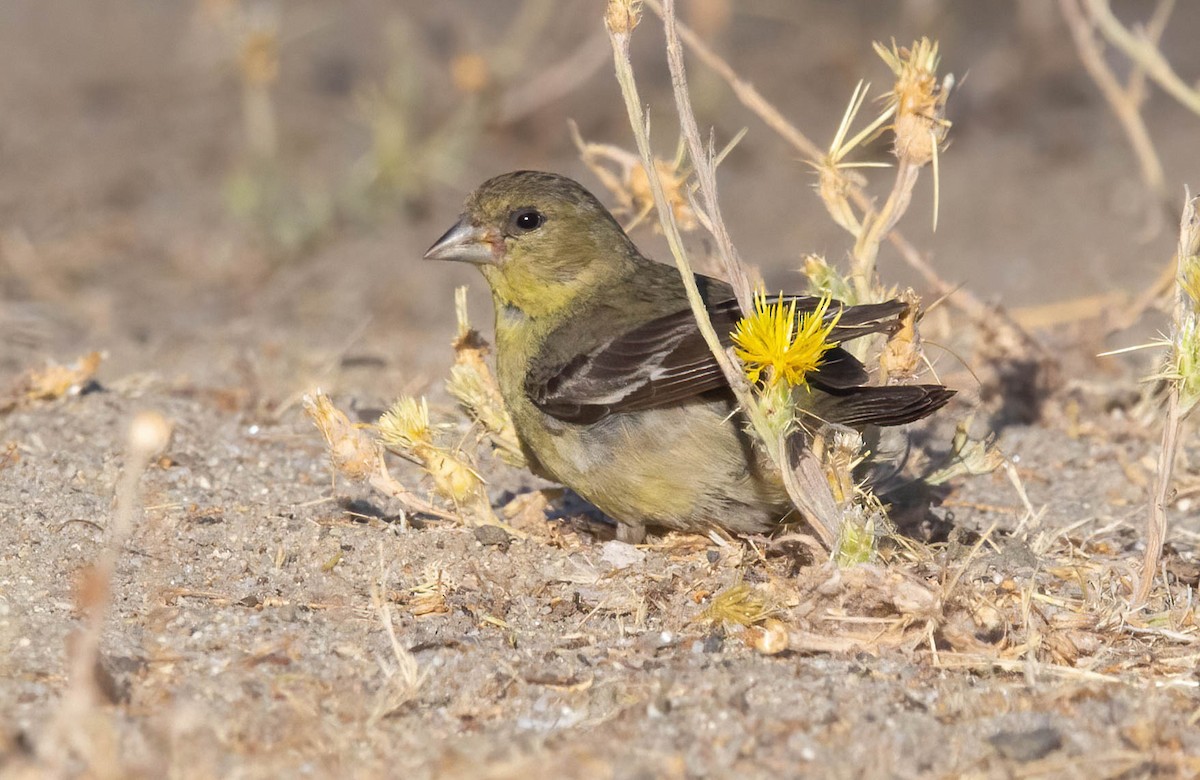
(674, 182)
(452, 478)
(834, 185)
(824, 279)
(919, 99)
(259, 56)
(968, 457)
(901, 356)
(839, 450)
(472, 384)
(622, 16)
(475, 389)
(470, 74)
(739, 604)
(836, 177)
(621, 172)
(351, 451)
(477, 394)
(406, 425)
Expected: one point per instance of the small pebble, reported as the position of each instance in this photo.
(1027, 745)
(492, 535)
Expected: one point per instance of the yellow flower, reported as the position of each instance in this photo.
(771, 341)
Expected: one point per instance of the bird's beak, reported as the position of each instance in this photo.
(466, 243)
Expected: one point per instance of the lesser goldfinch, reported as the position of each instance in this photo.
(611, 387)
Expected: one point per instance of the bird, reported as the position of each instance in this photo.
(611, 387)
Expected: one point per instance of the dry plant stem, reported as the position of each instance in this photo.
(1143, 51)
(70, 732)
(258, 111)
(1126, 105)
(744, 90)
(877, 225)
(407, 675)
(620, 44)
(1156, 522)
(753, 100)
(1153, 31)
(818, 506)
(386, 484)
(702, 162)
(1125, 101)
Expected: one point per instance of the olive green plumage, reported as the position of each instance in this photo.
(612, 389)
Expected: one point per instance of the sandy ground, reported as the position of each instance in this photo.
(243, 638)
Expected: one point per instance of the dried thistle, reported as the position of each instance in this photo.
(472, 383)
(968, 457)
(622, 16)
(840, 450)
(739, 605)
(351, 451)
(1184, 365)
(405, 429)
(623, 174)
(1183, 368)
(674, 179)
(1183, 382)
(837, 180)
(902, 356)
(357, 456)
(53, 380)
(918, 98)
(824, 279)
(857, 542)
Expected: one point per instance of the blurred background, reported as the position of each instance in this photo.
(236, 194)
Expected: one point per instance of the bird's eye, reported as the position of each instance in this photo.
(527, 220)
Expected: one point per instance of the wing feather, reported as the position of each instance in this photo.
(666, 361)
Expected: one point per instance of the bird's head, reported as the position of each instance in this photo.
(541, 240)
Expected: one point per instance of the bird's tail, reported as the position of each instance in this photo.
(886, 405)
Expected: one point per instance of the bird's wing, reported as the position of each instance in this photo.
(667, 360)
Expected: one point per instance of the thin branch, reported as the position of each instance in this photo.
(1180, 378)
(1145, 53)
(633, 106)
(1124, 102)
(982, 314)
(702, 162)
(744, 90)
(878, 224)
(1156, 521)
